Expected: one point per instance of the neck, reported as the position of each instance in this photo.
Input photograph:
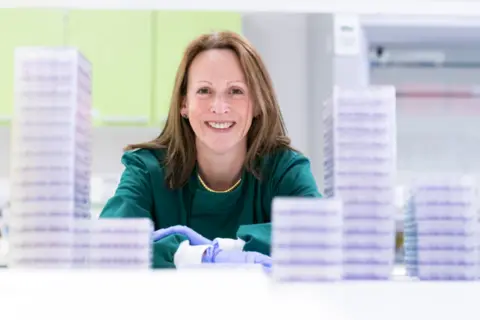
(220, 171)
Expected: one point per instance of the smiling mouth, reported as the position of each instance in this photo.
(220, 125)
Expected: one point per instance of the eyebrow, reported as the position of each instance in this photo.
(230, 82)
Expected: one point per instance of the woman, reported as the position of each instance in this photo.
(218, 163)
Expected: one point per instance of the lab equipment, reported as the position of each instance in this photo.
(120, 244)
(410, 238)
(50, 156)
(360, 169)
(214, 254)
(4, 207)
(441, 229)
(307, 238)
(194, 237)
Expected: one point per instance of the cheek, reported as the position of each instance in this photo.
(245, 111)
(197, 108)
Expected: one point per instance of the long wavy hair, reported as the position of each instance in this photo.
(267, 132)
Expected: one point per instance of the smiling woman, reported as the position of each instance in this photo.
(209, 179)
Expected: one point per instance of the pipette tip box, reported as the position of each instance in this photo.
(307, 239)
(441, 229)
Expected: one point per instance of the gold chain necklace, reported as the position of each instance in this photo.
(214, 191)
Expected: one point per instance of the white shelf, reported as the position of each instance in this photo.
(435, 21)
(421, 7)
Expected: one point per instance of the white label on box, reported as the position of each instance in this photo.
(346, 35)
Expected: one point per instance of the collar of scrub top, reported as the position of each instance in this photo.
(196, 182)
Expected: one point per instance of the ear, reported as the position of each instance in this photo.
(184, 109)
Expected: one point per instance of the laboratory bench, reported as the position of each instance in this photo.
(226, 294)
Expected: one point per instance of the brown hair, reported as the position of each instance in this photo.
(267, 132)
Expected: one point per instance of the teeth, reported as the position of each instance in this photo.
(220, 125)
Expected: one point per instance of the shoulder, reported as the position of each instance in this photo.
(283, 160)
(149, 161)
(288, 173)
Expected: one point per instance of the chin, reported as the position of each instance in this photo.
(221, 148)
(222, 143)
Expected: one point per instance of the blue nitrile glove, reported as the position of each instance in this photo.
(214, 254)
(194, 237)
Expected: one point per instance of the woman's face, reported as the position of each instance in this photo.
(218, 104)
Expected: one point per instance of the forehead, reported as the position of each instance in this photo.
(216, 65)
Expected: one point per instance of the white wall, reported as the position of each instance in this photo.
(282, 41)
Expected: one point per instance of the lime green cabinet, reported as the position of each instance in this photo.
(119, 46)
(173, 31)
(20, 28)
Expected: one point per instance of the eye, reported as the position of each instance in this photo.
(203, 91)
(236, 91)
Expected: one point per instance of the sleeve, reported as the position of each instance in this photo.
(256, 237)
(133, 196)
(133, 199)
(295, 181)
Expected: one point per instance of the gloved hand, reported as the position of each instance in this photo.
(194, 237)
(216, 255)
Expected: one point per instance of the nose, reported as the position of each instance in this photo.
(219, 105)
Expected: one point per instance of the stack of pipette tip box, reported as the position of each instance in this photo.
(441, 229)
(360, 169)
(50, 224)
(50, 157)
(307, 238)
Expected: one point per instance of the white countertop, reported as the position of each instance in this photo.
(225, 294)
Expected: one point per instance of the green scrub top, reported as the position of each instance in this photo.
(244, 212)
